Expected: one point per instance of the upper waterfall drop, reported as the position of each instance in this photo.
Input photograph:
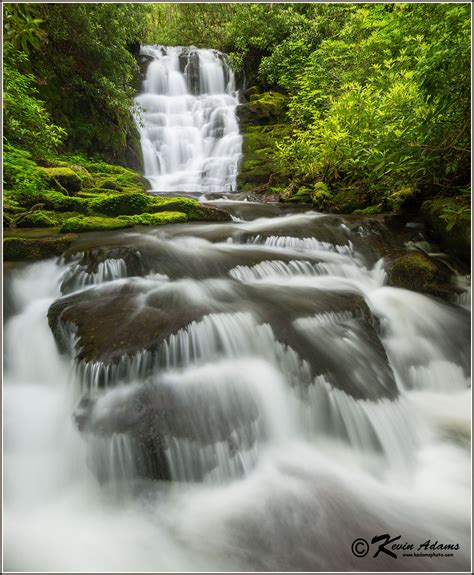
(187, 121)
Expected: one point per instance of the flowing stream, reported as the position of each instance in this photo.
(302, 404)
(243, 395)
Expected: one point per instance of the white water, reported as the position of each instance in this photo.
(272, 468)
(189, 131)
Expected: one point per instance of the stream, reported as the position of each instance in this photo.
(247, 395)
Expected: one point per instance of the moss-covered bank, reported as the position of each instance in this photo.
(262, 125)
(74, 195)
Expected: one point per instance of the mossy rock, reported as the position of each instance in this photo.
(21, 248)
(122, 204)
(111, 185)
(259, 167)
(156, 219)
(303, 195)
(94, 223)
(93, 192)
(321, 197)
(64, 178)
(348, 200)
(39, 219)
(55, 201)
(265, 108)
(414, 272)
(456, 239)
(370, 210)
(194, 210)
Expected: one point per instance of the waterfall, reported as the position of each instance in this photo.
(186, 118)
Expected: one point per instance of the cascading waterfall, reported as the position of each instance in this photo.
(305, 388)
(294, 403)
(186, 118)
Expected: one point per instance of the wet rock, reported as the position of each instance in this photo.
(456, 237)
(29, 248)
(419, 272)
(262, 109)
(114, 320)
(158, 417)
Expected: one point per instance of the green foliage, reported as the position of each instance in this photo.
(382, 102)
(20, 172)
(182, 24)
(70, 76)
(26, 122)
(21, 26)
(88, 75)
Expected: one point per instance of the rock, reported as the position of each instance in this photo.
(456, 239)
(415, 271)
(122, 204)
(22, 248)
(258, 170)
(110, 321)
(38, 219)
(82, 224)
(348, 200)
(262, 124)
(64, 178)
(263, 109)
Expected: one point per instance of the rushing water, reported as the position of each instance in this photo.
(302, 404)
(188, 127)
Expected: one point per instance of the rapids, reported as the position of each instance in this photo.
(302, 404)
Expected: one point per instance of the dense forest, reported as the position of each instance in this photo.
(353, 107)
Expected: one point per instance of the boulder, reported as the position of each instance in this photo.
(456, 238)
(29, 248)
(64, 179)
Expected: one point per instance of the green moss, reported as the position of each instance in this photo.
(58, 202)
(93, 223)
(111, 185)
(93, 192)
(265, 108)
(301, 196)
(398, 199)
(23, 248)
(321, 197)
(369, 211)
(456, 237)
(155, 219)
(64, 178)
(192, 208)
(259, 167)
(347, 200)
(39, 219)
(122, 204)
(414, 271)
